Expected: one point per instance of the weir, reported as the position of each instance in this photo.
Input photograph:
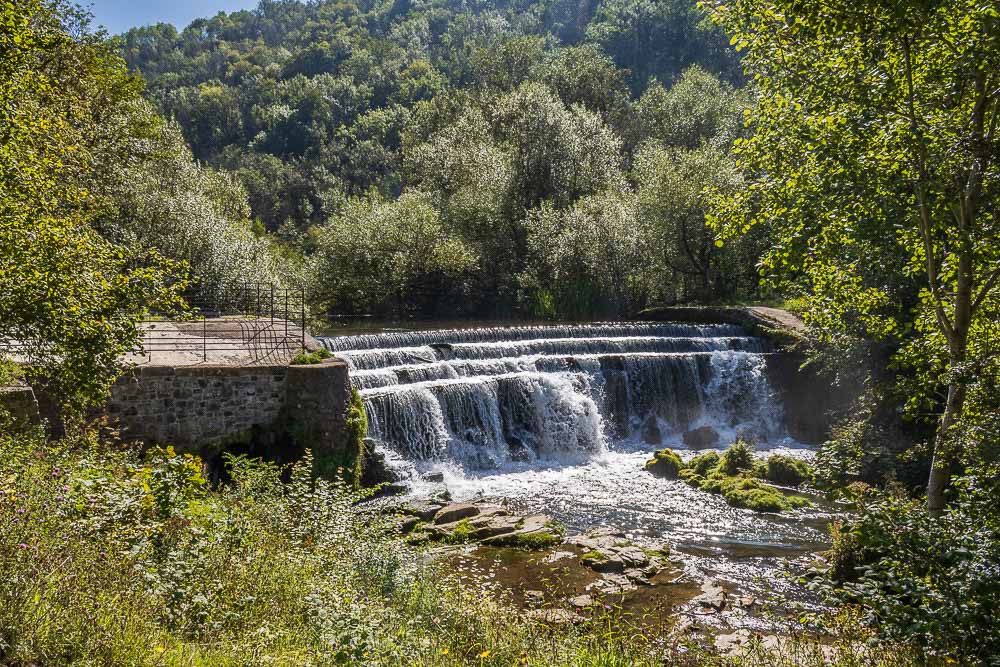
(485, 398)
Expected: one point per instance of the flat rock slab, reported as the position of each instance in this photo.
(423, 510)
(455, 512)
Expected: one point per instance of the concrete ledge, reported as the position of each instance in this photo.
(781, 326)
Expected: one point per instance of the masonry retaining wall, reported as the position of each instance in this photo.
(271, 411)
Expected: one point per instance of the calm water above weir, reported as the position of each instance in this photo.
(560, 419)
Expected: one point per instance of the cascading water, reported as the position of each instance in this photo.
(483, 398)
(560, 420)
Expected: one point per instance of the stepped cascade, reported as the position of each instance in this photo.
(488, 397)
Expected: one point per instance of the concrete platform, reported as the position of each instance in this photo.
(223, 341)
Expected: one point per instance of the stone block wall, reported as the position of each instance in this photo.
(18, 402)
(193, 407)
(274, 412)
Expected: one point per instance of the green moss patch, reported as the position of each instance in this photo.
(304, 358)
(734, 476)
(665, 463)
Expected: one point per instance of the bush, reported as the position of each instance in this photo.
(929, 581)
(304, 358)
(737, 458)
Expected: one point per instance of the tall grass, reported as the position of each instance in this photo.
(111, 559)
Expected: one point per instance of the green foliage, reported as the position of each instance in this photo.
(786, 471)
(874, 166)
(703, 463)
(109, 559)
(517, 124)
(68, 297)
(385, 256)
(675, 187)
(304, 358)
(927, 580)
(731, 475)
(665, 463)
(737, 458)
(355, 430)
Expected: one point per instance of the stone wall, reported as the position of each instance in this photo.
(192, 407)
(18, 401)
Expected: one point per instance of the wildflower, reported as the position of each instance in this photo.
(484, 655)
(23, 545)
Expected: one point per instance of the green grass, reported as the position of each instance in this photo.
(112, 559)
(304, 358)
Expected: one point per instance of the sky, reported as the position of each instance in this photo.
(120, 15)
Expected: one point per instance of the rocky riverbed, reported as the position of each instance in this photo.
(562, 579)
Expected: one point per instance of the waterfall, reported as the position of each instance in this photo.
(485, 398)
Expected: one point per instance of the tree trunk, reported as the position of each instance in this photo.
(944, 454)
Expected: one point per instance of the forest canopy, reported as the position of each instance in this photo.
(511, 120)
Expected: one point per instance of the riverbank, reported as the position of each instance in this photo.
(114, 560)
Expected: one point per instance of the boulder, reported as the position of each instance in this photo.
(581, 601)
(455, 512)
(533, 532)
(422, 509)
(555, 616)
(534, 598)
(702, 437)
(603, 561)
(433, 477)
(665, 463)
(408, 523)
(651, 431)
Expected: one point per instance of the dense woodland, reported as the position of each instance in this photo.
(561, 159)
(486, 158)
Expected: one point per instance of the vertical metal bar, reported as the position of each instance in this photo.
(302, 315)
(204, 338)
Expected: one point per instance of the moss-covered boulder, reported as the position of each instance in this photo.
(734, 476)
(665, 463)
(785, 470)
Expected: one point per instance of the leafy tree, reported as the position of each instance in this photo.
(675, 187)
(658, 39)
(589, 260)
(697, 108)
(875, 160)
(384, 256)
(559, 153)
(70, 299)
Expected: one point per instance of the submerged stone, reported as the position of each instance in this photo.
(702, 437)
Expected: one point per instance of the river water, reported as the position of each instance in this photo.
(559, 419)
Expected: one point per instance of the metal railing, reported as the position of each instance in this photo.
(254, 321)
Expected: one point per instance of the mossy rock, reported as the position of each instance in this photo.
(462, 533)
(710, 473)
(785, 470)
(737, 458)
(665, 463)
(703, 464)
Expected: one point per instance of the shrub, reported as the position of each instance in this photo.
(737, 458)
(304, 358)
(924, 580)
